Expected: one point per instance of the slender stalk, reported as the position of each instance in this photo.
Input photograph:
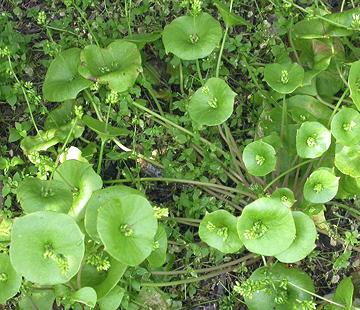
(221, 52)
(150, 90)
(283, 120)
(181, 77)
(341, 99)
(86, 23)
(198, 69)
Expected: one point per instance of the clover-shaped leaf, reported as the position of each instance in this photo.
(10, 281)
(285, 195)
(46, 247)
(345, 126)
(105, 131)
(158, 256)
(304, 241)
(118, 65)
(321, 186)
(230, 18)
(127, 227)
(83, 180)
(38, 195)
(347, 159)
(259, 158)
(273, 286)
(312, 140)
(218, 230)
(354, 83)
(192, 37)
(213, 103)
(266, 227)
(62, 81)
(284, 78)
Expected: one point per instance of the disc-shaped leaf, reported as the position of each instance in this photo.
(62, 81)
(85, 295)
(83, 180)
(213, 103)
(105, 131)
(218, 229)
(312, 140)
(266, 227)
(354, 83)
(113, 300)
(46, 247)
(192, 37)
(345, 126)
(10, 281)
(284, 78)
(158, 256)
(304, 241)
(100, 198)
(37, 299)
(285, 195)
(118, 65)
(270, 280)
(230, 18)
(39, 195)
(127, 227)
(259, 158)
(321, 186)
(347, 159)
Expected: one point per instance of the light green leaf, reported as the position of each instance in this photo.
(10, 281)
(36, 300)
(285, 195)
(112, 300)
(344, 294)
(86, 296)
(230, 18)
(105, 131)
(347, 159)
(345, 126)
(158, 256)
(354, 83)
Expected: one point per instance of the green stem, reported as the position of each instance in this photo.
(101, 154)
(181, 77)
(150, 90)
(221, 52)
(338, 105)
(283, 120)
(86, 23)
(199, 72)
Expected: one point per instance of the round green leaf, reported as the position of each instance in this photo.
(85, 295)
(113, 300)
(105, 131)
(345, 126)
(118, 65)
(284, 78)
(321, 186)
(354, 83)
(62, 81)
(83, 180)
(285, 195)
(304, 241)
(312, 140)
(259, 158)
(36, 300)
(266, 227)
(127, 227)
(347, 159)
(10, 281)
(39, 195)
(46, 247)
(269, 280)
(218, 230)
(192, 37)
(100, 198)
(213, 103)
(158, 256)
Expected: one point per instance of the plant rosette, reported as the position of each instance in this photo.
(213, 103)
(192, 37)
(285, 195)
(312, 140)
(218, 230)
(10, 281)
(321, 186)
(259, 158)
(266, 227)
(46, 247)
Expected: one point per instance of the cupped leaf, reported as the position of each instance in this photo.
(46, 247)
(10, 281)
(354, 83)
(259, 158)
(140, 39)
(192, 37)
(348, 187)
(83, 180)
(347, 159)
(105, 131)
(37, 299)
(41, 142)
(127, 227)
(275, 291)
(312, 140)
(345, 126)
(285, 195)
(40, 195)
(266, 227)
(113, 300)
(158, 256)
(118, 65)
(85, 295)
(218, 230)
(284, 78)
(304, 241)
(321, 186)
(100, 198)
(62, 81)
(230, 18)
(344, 294)
(213, 103)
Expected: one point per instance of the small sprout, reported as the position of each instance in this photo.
(63, 263)
(48, 251)
(160, 212)
(95, 86)
(126, 230)
(210, 226)
(79, 111)
(349, 126)
(257, 231)
(249, 287)
(213, 103)
(306, 304)
(284, 77)
(303, 117)
(41, 19)
(196, 7)
(318, 187)
(156, 245)
(3, 277)
(112, 97)
(193, 38)
(355, 23)
(205, 90)
(259, 159)
(99, 260)
(222, 232)
(4, 52)
(311, 141)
